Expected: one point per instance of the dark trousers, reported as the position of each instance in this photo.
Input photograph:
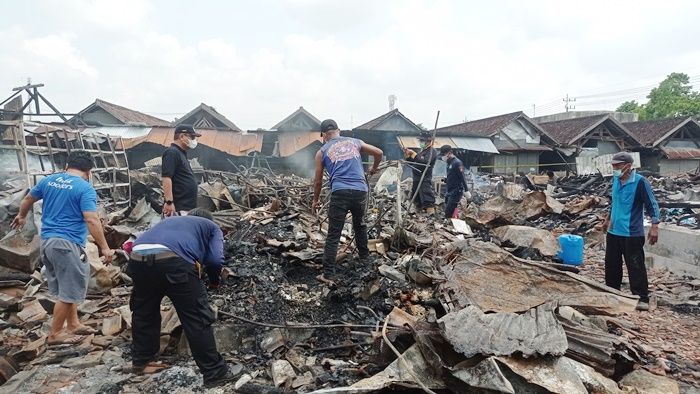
(342, 202)
(426, 194)
(632, 249)
(177, 279)
(452, 199)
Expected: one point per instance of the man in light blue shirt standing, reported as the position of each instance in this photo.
(68, 214)
(631, 196)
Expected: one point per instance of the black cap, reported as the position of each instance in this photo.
(186, 129)
(328, 125)
(445, 149)
(622, 157)
(425, 136)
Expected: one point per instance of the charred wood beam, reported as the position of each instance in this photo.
(583, 188)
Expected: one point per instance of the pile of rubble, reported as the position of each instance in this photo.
(474, 305)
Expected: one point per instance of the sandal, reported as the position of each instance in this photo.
(69, 339)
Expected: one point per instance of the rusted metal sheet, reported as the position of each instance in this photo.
(292, 142)
(233, 143)
(535, 332)
(681, 153)
(493, 280)
(591, 346)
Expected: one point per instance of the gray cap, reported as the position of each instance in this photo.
(622, 157)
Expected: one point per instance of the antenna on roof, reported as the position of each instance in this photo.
(392, 102)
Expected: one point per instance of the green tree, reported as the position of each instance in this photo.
(673, 97)
(629, 106)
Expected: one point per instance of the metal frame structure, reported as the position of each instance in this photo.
(49, 146)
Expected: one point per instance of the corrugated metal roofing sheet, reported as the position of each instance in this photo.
(476, 144)
(231, 142)
(536, 332)
(291, 142)
(524, 147)
(681, 153)
(121, 131)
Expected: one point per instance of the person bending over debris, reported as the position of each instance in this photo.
(179, 184)
(341, 157)
(165, 261)
(456, 184)
(631, 194)
(69, 212)
(425, 158)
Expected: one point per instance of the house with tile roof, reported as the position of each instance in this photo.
(385, 131)
(295, 132)
(103, 113)
(670, 145)
(206, 117)
(518, 138)
(588, 136)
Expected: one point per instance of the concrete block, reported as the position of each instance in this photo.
(17, 254)
(678, 249)
(111, 325)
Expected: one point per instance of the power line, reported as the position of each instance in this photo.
(616, 95)
(695, 78)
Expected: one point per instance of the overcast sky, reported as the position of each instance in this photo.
(258, 61)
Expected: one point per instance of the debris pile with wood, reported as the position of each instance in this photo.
(475, 305)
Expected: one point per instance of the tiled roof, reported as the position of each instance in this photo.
(300, 111)
(376, 122)
(652, 132)
(565, 132)
(212, 112)
(126, 115)
(486, 127)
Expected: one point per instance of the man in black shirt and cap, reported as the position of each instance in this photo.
(179, 184)
(455, 182)
(425, 200)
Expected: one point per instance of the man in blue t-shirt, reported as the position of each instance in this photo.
(166, 260)
(631, 196)
(69, 212)
(341, 157)
(455, 182)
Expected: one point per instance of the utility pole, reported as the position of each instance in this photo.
(533, 110)
(568, 100)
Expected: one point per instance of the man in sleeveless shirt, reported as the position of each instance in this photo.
(341, 157)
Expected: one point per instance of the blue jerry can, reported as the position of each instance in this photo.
(571, 249)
